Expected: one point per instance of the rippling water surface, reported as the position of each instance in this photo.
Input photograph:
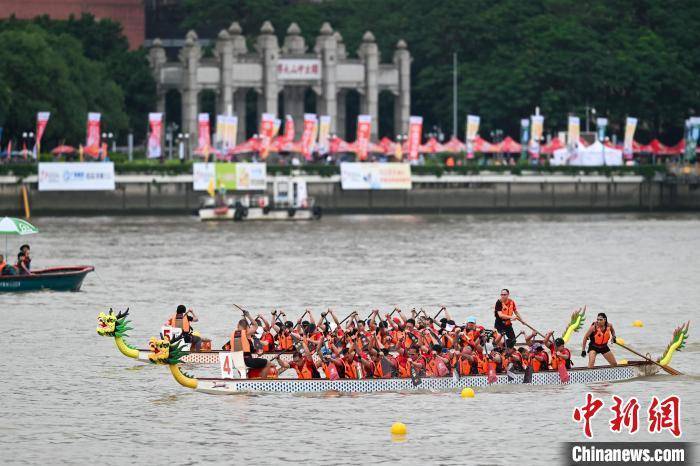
(69, 396)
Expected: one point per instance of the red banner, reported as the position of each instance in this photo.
(154, 147)
(364, 127)
(92, 140)
(415, 129)
(309, 135)
(288, 128)
(42, 119)
(204, 134)
(267, 130)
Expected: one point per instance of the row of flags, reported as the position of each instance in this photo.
(315, 136)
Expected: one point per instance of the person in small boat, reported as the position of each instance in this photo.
(598, 335)
(506, 312)
(24, 263)
(5, 267)
(183, 319)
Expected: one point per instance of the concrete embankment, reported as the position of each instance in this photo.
(155, 194)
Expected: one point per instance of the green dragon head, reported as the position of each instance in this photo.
(165, 351)
(680, 335)
(110, 325)
(575, 324)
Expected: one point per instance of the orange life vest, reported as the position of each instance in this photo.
(303, 372)
(3, 264)
(431, 368)
(537, 364)
(330, 370)
(464, 367)
(239, 341)
(556, 360)
(507, 308)
(350, 370)
(601, 337)
(267, 341)
(285, 343)
(181, 323)
(404, 367)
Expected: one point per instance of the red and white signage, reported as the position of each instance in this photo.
(92, 140)
(364, 127)
(204, 136)
(415, 129)
(308, 137)
(298, 69)
(267, 130)
(288, 128)
(42, 119)
(154, 146)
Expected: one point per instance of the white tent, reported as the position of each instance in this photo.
(592, 156)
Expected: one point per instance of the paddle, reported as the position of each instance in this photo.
(346, 318)
(668, 369)
(439, 312)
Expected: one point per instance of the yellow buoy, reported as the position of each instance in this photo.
(637, 323)
(398, 428)
(622, 362)
(620, 340)
(467, 393)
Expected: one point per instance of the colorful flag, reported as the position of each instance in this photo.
(524, 136)
(92, 140)
(288, 128)
(415, 131)
(601, 123)
(42, 119)
(472, 130)
(267, 128)
(230, 132)
(203, 134)
(574, 131)
(220, 132)
(278, 125)
(536, 135)
(309, 134)
(364, 127)
(154, 147)
(324, 131)
(630, 128)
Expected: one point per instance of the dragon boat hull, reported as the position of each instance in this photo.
(577, 376)
(56, 279)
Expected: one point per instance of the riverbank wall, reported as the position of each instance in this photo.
(162, 194)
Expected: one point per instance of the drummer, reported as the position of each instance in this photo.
(598, 336)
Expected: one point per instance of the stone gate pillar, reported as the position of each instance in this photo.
(369, 103)
(157, 58)
(224, 53)
(402, 103)
(326, 47)
(190, 54)
(269, 51)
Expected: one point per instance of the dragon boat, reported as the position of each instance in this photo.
(173, 354)
(55, 278)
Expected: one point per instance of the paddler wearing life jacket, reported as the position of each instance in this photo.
(505, 312)
(598, 336)
(183, 319)
(302, 362)
(241, 340)
(560, 354)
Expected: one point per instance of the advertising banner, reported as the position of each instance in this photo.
(630, 128)
(415, 130)
(364, 127)
(42, 119)
(691, 138)
(601, 123)
(288, 128)
(231, 176)
(309, 135)
(203, 134)
(524, 136)
(267, 129)
(536, 129)
(155, 120)
(230, 132)
(471, 132)
(92, 139)
(76, 176)
(324, 132)
(574, 132)
(354, 175)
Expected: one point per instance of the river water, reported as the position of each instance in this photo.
(68, 396)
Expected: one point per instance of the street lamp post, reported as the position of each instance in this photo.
(26, 136)
(109, 137)
(590, 113)
(182, 138)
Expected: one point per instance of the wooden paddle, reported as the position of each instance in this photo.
(668, 369)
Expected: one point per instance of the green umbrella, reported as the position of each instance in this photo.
(16, 226)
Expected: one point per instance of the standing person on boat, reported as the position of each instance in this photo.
(599, 334)
(183, 319)
(505, 312)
